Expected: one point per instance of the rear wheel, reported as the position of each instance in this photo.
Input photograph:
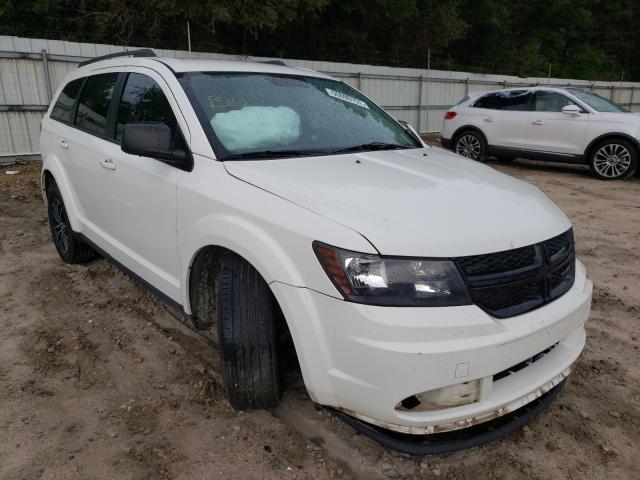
(613, 159)
(69, 247)
(247, 335)
(472, 145)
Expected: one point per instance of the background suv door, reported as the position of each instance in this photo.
(505, 118)
(552, 131)
(140, 192)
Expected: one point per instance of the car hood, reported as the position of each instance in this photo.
(420, 202)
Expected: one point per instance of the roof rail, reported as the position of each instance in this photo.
(273, 62)
(142, 52)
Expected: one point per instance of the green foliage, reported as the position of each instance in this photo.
(593, 39)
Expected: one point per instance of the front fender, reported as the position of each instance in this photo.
(256, 245)
(272, 234)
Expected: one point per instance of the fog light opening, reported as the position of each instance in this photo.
(442, 398)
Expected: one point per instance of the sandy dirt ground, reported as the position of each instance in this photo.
(98, 379)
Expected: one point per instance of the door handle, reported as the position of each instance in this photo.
(538, 122)
(489, 119)
(108, 164)
(63, 143)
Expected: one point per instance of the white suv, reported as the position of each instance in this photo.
(559, 124)
(423, 292)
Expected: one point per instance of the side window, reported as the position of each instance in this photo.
(486, 101)
(94, 102)
(550, 102)
(63, 107)
(515, 100)
(144, 101)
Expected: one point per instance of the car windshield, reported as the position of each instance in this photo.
(257, 115)
(598, 103)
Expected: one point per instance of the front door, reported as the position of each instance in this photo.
(141, 191)
(552, 131)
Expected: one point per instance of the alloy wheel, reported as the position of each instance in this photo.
(469, 146)
(612, 160)
(60, 229)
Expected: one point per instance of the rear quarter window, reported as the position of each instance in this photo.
(63, 108)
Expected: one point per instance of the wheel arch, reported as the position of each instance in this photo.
(211, 256)
(609, 136)
(460, 130)
(52, 171)
(232, 233)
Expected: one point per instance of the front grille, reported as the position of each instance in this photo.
(516, 281)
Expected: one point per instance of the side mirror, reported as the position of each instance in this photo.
(149, 139)
(571, 109)
(412, 131)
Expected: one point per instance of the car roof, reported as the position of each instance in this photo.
(533, 88)
(179, 65)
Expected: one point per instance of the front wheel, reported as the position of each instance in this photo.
(472, 145)
(247, 336)
(613, 159)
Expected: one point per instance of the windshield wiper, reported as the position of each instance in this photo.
(274, 154)
(371, 147)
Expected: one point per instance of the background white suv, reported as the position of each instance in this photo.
(558, 124)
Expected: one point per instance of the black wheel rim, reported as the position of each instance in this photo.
(59, 226)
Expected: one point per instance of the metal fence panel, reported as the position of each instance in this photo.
(418, 96)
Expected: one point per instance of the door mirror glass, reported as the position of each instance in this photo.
(151, 139)
(571, 110)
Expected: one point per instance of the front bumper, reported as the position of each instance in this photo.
(365, 360)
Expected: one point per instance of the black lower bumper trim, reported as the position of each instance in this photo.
(455, 440)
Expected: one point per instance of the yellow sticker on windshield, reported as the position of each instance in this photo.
(226, 102)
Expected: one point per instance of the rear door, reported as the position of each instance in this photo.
(86, 140)
(552, 131)
(506, 119)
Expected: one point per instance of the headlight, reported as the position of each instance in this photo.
(376, 280)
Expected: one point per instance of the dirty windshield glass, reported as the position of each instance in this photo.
(251, 116)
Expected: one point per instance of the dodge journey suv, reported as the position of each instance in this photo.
(422, 292)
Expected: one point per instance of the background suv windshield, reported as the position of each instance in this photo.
(597, 102)
(250, 114)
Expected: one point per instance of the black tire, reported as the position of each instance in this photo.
(70, 248)
(247, 336)
(613, 159)
(471, 144)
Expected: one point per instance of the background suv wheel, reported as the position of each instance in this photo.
(613, 159)
(471, 144)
